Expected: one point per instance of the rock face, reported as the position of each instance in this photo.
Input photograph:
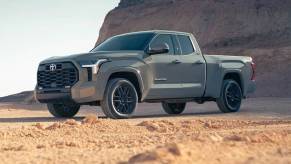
(257, 28)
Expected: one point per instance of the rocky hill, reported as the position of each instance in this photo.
(26, 97)
(257, 28)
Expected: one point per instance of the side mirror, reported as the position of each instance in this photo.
(159, 49)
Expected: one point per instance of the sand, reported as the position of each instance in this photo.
(259, 133)
(94, 140)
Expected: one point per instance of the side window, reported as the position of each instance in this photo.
(164, 38)
(186, 44)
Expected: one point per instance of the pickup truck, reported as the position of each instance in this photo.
(146, 66)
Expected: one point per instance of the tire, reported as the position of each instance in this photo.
(173, 108)
(230, 98)
(120, 99)
(63, 110)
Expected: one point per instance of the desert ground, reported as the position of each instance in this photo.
(259, 133)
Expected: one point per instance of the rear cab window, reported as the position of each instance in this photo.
(186, 45)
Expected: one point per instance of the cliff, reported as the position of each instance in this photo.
(257, 28)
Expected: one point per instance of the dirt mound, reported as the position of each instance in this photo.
(90, 119)
(159, 126)
(235, 146)
(163, 154)
(261, 29)
(165, 126)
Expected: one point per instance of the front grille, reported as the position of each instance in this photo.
(64, 75)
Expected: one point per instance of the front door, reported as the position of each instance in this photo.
(165, 71)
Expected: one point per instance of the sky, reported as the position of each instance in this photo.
(33, 30)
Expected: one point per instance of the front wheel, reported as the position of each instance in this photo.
(120, 99)
(173, 108)
(230, 98)
(63, 110)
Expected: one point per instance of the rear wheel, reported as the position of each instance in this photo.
(120, 99)
(173, 108)
(231, 97)
(65, 110)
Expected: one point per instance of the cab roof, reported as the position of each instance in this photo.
(157, 32)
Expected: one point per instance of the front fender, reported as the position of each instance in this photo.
(127, 69)
(107, 69)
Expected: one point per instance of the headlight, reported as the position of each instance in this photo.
(95, 66)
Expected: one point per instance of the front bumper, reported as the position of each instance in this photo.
(82, 92)
(53, 96)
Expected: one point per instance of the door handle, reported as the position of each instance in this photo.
(176, 61)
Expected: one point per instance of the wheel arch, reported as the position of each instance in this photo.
(236, 76)
(131, 75)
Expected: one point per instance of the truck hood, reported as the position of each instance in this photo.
(90, 58)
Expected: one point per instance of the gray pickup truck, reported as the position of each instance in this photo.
(147, 66)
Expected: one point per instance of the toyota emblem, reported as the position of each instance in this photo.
(53, 67)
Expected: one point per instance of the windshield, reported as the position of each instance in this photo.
(134, 42)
